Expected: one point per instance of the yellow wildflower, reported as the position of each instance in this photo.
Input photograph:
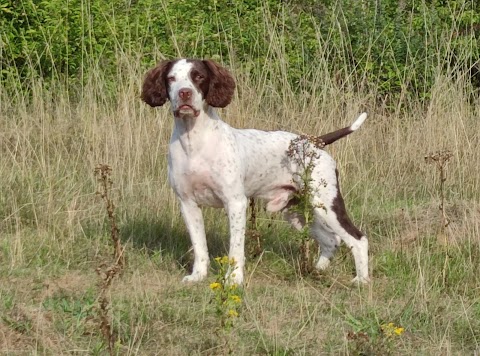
(399, 331)
(215, 285)
(235, 299)
(234, 286)
(232, 313)
(391, 330)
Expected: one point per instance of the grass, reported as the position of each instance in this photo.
(55, 229)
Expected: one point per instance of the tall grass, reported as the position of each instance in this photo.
(54, 229)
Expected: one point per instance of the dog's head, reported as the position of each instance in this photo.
(189, 84)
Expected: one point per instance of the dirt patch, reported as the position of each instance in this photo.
(71, 283)
(14, 342)
(26, 328)
(425, 220)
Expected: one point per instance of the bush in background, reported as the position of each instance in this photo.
(397, 47)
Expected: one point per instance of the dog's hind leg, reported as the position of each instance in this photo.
(325, 237)
(327, 241)
(331, 216)
(336, 220)
(295, 219)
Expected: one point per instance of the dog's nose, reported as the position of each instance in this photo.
(185, 93)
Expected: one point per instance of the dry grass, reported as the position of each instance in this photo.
(55, 232)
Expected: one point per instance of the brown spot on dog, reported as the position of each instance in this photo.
(338, 207)
(200, 76)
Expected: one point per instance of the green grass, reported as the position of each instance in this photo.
(431, 290)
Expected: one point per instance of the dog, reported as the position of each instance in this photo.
(213, 164)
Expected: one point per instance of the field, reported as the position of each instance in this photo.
(56, 233)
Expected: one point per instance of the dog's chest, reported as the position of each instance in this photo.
(195, 179)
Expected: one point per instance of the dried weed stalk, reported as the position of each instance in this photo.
(103, 172)
(254, 242)
(107, 272)
(440, 159)
(303, 150)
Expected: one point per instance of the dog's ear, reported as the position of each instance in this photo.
(154, 90)
(222, 85)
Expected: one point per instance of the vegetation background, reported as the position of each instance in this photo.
(70, 75)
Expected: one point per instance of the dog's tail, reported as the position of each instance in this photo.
(331, 137)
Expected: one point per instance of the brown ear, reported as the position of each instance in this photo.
(222, 85)
(154, 90)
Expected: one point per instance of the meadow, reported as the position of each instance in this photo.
(55, 228)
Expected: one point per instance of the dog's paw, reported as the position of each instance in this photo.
(194, 277)
(361, 280)
(323, 263)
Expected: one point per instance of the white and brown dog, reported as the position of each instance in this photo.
(213, 164)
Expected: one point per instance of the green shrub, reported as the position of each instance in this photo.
(389, 45)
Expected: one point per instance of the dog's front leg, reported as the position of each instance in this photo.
(237, 218)
(192, 214)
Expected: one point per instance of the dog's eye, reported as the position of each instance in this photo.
(199, 77)
(171, 79)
